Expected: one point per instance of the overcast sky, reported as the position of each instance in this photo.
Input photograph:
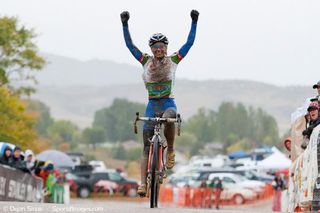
(272, 41)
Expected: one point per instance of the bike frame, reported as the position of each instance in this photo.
(156, 172)
(156, 140)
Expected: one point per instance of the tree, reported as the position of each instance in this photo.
(231, 124)
(188, 144)
(119, 152)
(16, 126)
(265, 127)
(93, 136)
(44, 119)
(202, 125)
(117, 120)
(63, 131)
(19, 56)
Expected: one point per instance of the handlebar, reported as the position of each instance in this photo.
(157, 120)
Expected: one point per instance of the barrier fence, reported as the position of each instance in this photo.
(203, 197)
(16, 185)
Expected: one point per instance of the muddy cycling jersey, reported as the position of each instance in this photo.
(159, 76)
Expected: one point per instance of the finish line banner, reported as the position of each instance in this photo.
(16, 185)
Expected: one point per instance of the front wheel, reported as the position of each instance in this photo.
(154, 177)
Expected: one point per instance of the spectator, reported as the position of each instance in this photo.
(278, 185)
(287, 145)
(17, 160)
(6, 158)
(313, 111)
(217, 186)
(30, 162)
(203, 184)
(47, 176)
(45, 169)
(316, 86)
(38, 167)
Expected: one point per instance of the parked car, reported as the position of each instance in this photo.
(83, 170)
(97, 165)
(237, 194)
(85, 186)
(182, 179)
(232, 179)
(77, 157)
(232, 192)
(250, 175)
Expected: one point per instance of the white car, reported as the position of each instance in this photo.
(237, 194)
(232, 192)
(229, 179)
(98, 165)
(181, 180)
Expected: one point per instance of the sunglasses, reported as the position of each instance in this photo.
(158, 46)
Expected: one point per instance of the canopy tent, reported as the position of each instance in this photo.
(58, 158)
(277, 160)
(238, 154)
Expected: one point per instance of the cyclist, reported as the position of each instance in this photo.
(159, 78)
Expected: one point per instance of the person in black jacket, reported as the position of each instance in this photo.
(17, 161)
(217, 186)
(313, 111)
(6, 158)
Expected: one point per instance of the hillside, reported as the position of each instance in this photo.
(76, 89)
(78, 103)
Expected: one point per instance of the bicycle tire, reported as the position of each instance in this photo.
(154, 176)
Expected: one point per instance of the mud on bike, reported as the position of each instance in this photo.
(156, 169)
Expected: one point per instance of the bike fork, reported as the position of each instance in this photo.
(149, 169)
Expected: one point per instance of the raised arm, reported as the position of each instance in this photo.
(133, 49)
(192, 35)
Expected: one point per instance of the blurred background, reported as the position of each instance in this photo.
(70, 88)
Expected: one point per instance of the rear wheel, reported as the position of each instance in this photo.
(132, 192)
(238, 199)
(154, 177)
(84, 192)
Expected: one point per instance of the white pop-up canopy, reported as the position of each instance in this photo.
(277, 160)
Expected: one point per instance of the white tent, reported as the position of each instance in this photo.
(277, 160)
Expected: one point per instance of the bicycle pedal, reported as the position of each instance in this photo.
(142, 195)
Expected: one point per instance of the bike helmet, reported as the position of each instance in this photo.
(158, 37)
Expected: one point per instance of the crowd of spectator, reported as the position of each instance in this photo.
(312, 119)
(14, 157)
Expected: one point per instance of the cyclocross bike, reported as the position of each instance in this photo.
(156, 166)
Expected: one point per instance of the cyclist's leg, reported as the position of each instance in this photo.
(169, 131)
(169, 128)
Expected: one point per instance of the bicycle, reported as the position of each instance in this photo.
(156, 170)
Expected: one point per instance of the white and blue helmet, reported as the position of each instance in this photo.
(158, 37)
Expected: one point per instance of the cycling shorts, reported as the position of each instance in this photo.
(156, 107)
